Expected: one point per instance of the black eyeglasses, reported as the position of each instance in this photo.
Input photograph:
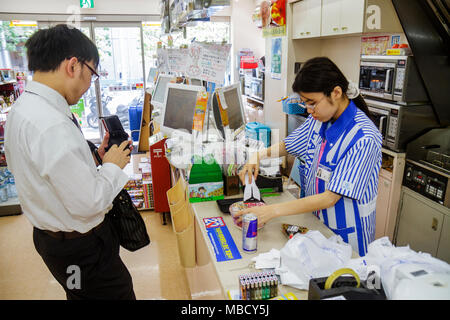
(95, 75)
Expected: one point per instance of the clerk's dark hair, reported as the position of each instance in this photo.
(47, 48)
(320, 74)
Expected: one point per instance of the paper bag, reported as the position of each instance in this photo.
(186, 239)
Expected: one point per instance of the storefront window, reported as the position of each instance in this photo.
(203, 32)
(121, 74)
(210, 32)
(152, 34)
(13, 35)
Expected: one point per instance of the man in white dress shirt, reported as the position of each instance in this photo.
(60, 189)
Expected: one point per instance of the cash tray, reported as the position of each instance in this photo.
(224, 204)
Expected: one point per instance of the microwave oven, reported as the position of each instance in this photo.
(392, 78)
(400, 124)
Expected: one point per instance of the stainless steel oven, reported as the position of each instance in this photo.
(400, 124)
(393, 78)
(424, 211)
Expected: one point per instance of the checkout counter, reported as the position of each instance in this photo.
(208, 278)
(214, 280)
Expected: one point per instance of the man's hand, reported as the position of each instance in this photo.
(102, 148)
(118, 155)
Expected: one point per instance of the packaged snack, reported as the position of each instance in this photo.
(291, 229)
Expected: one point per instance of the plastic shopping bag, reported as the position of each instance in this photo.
(311, 255)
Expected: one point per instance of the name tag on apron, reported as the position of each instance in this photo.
(323, 173)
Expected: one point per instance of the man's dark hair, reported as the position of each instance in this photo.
(47, 48)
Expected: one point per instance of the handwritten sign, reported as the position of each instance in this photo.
(204, 61)
(208, 61)
(162, 60)
(177, 62)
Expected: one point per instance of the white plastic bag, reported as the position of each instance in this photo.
(399, 265)
(267, 260)
(311, 255)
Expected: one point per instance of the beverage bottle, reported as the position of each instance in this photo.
(3, 191)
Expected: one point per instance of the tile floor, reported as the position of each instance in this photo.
(155, 269)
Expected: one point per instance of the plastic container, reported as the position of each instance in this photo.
(11, 187)
(292, 105)
(258, 131)
(205, 180)
(238, 206)
(293, 108)
(3, 191)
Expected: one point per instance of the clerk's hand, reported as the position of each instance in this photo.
(251, 168)
(264, 213)
(119, 155)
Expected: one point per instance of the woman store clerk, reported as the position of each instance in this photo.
(340, 156)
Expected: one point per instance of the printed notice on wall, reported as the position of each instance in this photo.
(273, 18)
(275, 69)
(374, 45)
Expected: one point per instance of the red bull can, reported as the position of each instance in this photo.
(249, 232)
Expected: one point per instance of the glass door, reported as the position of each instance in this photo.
(87, 105)
(121, 84)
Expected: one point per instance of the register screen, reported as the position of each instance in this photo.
(234, 109)
(180, 108)
(161, 89)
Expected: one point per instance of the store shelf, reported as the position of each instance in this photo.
(7, 82)
(145, 209)
(10, 202)
(10, 207)
(254, 99)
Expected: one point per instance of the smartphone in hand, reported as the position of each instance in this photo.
(115, 129)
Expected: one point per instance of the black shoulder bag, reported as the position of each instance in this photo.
(128, 222)
(125, 217)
